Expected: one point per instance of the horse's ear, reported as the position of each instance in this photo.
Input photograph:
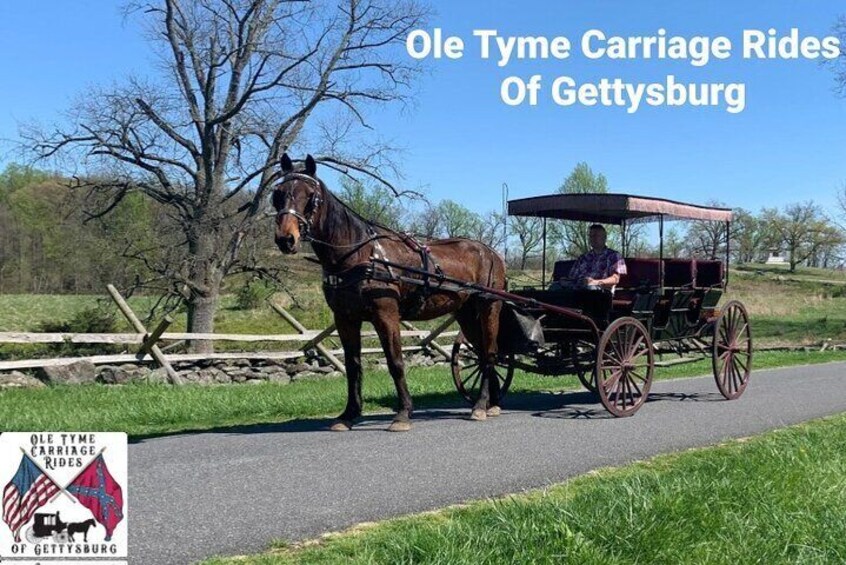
(311, 166)
(287, 164)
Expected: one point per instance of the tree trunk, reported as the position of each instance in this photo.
(206, 276)
(201, 311)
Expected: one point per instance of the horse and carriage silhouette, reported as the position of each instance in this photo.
(50, 525)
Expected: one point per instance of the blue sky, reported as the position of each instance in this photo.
(461, 142)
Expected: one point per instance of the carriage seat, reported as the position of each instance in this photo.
(709, 274)
(641, 274)
(679, 273)
(562, 269)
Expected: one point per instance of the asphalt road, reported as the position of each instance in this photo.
(231, 492)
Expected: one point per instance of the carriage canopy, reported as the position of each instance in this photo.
(613, 208)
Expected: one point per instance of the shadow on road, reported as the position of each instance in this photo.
(573, 405)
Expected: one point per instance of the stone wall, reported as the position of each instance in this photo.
(206, 372)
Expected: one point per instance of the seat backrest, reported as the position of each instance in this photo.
(562, 269)
(641, 273)
(709, 273)
(679, 272)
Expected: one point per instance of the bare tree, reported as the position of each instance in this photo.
(241, 82)
(488, 229)
(529, 233)
(707, 240)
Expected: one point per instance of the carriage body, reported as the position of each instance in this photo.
(47, 525)
(610, 338)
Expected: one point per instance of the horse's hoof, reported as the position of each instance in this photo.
(341, 426)
(478, 414)
(494, 411)
(399, 426)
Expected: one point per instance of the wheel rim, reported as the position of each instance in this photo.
(624, 367)
(467, 371)
(732, 350)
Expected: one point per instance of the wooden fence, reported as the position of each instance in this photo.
(150, 349)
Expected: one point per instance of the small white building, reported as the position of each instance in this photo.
(776, 258)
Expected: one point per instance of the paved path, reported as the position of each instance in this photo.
(233, 491)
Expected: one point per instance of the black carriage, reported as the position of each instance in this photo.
(611, 338)
(47, 525)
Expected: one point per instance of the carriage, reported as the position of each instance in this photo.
(610, 339)
(47, 525)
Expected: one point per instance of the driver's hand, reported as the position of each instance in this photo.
(591, 282)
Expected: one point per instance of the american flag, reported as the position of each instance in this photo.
(29, 490)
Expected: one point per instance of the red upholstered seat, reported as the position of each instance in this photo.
(709, 273)
(562, 269)
(641, 273)
(679, 272)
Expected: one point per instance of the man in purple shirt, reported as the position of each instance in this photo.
(600, 267)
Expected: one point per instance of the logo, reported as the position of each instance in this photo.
(64, 497)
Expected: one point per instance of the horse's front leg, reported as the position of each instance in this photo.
(386, 322)
(349, 330)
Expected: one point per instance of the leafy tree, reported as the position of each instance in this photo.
(375, 203)
(749, 237)
(802, 231)
(573, 236)
(456, 220)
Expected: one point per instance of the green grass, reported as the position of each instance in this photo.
(143, 409)
(804, 307)
(775, 498)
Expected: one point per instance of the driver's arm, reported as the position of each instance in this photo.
(607, 281)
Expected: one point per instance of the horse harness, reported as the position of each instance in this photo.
(368, 270)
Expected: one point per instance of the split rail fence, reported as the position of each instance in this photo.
(151, 351)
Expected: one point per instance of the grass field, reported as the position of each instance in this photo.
(800, 308)
(775, 498)
(144, 409)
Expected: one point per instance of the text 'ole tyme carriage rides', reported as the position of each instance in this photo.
(610, 338)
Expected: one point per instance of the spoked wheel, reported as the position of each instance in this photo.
(732, 350)
(467, 371)
(583, 355)
(624, 366)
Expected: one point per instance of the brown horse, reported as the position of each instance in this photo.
(358, 289)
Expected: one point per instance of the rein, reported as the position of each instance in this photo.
(306, 219)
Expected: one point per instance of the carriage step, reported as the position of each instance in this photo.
(680, 361)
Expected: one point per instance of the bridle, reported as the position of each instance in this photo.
(303, 220)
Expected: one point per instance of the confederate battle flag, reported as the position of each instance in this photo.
(29, 489)
(98, 491)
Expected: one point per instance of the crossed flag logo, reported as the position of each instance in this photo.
(32, 487)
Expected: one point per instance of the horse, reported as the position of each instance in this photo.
(359, 286)
(81, 527)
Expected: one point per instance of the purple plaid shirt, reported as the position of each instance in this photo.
(599, 265)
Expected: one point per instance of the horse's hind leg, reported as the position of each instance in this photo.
(350, 333)
(488, 401)
(387, 325)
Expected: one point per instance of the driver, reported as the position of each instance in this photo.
(600, 267)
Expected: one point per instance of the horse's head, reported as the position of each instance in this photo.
(296, 199)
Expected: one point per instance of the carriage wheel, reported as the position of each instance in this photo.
(732, 350)
(624, 365)
(467, 371)
(583, 355)
(30, 535)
